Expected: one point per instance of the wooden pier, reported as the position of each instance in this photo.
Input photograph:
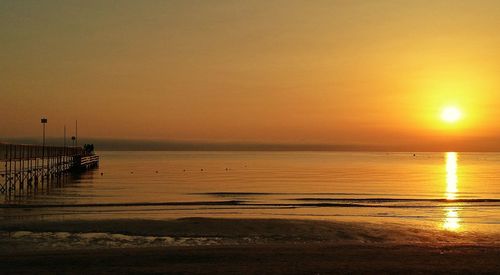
(31, 166)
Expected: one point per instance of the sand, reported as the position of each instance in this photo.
(243, 246)
(258, 259)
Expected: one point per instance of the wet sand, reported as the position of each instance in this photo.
(244, 246)
(259, 259)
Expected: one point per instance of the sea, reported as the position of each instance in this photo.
(450, 191)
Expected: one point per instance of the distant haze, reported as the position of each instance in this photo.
(159, 145)
(252, 75)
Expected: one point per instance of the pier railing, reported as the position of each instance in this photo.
(31, 165)
(28, 151)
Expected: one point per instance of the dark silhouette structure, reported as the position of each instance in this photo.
(28, 166)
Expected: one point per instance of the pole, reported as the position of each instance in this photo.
(43, 121)
(43, 150)
(43, 143)
(76, 133)
(65, 150)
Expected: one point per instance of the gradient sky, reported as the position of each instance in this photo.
(339, 72)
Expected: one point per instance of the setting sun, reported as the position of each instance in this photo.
(451, 114)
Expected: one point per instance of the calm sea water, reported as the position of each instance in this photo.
(454, 191)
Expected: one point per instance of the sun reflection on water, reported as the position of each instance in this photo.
(452, 220)
(451, 175)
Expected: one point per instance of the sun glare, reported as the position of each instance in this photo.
(451, 114)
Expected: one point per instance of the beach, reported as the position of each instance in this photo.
(245, 246)
(259, 259)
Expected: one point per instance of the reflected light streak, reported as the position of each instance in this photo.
(452, 220)
(451, 175)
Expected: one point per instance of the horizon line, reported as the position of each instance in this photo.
(111, 144)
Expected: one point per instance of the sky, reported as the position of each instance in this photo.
(375, 73)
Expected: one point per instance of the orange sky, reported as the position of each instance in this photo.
(339, 72)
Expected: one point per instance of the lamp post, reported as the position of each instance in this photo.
(43, 121)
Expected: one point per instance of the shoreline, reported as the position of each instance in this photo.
(247, 246)
(197, 231)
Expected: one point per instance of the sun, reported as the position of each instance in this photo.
(451, 114)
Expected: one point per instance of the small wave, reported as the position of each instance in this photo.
(217, 231)
(246, 205)
(195, 203)
(297, 202)
(382, 200)
(245, 194)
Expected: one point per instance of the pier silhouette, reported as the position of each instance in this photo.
(31, 166)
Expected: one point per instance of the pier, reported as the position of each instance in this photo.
(30, 166)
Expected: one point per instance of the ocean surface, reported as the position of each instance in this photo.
(448, 191)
